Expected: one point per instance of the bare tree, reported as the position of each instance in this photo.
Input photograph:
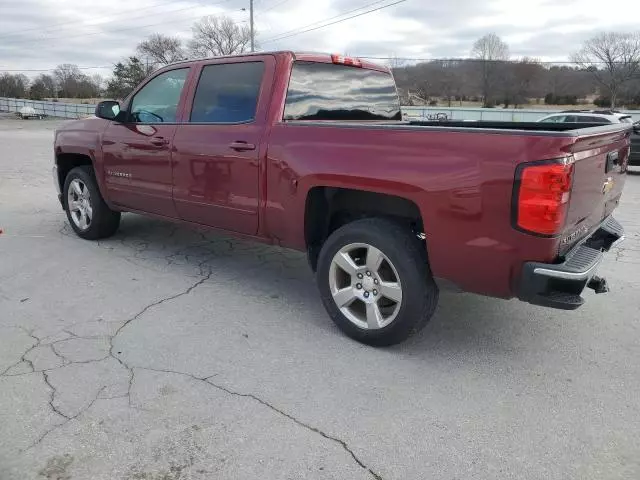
(446, 78)
(612, 58)
(161, 49)
(490, 52)
(15, 86)
(396, 62)
(67, 77)
(522, 80)
(217, 36)
(43, 86)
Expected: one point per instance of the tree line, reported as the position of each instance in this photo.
(607, 65)
(66, 81)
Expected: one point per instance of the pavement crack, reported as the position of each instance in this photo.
(23, 356)
(132, 375)
(67, 419)
(65, 360)
(311, 428)
(52, 396)
(138, 315)
(159, 302)
(345, 446)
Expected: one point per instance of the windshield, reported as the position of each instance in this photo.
(324, 91)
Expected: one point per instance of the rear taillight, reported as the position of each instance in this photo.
(542, 197)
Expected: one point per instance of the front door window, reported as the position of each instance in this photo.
(157, 102)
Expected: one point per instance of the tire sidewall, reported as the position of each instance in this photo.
(418, 289)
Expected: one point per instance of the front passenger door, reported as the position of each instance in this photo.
(137, 151)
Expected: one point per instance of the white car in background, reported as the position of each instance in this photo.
(587, 116)
(29, 112)
(601, 116)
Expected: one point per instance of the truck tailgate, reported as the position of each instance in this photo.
(598, 179)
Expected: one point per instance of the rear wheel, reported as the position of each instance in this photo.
(88, 214)
(375, 281)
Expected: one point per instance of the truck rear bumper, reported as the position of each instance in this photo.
(559, 285)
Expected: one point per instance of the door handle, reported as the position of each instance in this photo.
(159, 141)
(241, 146)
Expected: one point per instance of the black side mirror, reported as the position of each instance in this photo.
(109, 110)
(636, 128)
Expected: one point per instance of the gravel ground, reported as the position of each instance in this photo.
(171, 354)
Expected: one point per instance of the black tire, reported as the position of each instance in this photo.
(104, 222)
(408, 255)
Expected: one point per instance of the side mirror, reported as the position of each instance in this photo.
(636, 128)
(109, 110)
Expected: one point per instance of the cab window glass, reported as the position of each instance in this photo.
(157, 101)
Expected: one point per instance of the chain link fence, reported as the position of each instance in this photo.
(47, 108)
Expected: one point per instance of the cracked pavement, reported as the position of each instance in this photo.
(166, 353)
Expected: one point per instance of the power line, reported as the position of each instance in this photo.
(55, 26)
(52, 69)
(272, 7)
(364, 57)
(293, 33)
(326, 19)
(35, 40)
(90, 34)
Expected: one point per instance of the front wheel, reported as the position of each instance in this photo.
(89, 215)
(375, 281)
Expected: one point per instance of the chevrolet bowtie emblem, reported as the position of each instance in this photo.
(608, 185)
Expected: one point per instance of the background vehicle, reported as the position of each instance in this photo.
(588, 116)
(308, 151)
(29, 112)
(601, 117)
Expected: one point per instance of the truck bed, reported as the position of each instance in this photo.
(526, 126)
(532, 128)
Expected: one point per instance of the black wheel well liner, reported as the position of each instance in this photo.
(68, 161)
(328, 208)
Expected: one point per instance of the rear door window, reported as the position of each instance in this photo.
(227, 93)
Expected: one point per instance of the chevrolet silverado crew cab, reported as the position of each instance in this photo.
(310, 152)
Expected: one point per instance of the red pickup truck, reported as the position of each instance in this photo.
(310, 152)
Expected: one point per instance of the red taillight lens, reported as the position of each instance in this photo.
(543, 197)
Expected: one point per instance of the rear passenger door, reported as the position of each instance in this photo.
(217, 150)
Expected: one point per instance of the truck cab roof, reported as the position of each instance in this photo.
(319, 57)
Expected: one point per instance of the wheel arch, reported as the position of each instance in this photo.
(327, 208)
(67, 161)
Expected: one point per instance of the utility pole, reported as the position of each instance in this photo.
(253, 36)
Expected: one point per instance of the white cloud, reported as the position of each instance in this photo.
(39, 34)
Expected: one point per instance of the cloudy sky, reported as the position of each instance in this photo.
(39, 34)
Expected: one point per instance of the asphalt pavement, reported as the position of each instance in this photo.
(166, 353)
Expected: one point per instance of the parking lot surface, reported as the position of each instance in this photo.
(166, 353)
